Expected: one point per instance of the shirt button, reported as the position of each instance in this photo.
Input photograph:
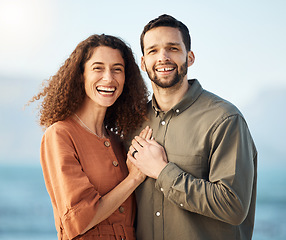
(161, 189)
(115, 164)
(107, 144)
(177, 110)
(163, 123)
(121, 209)
(181, 204)
(158, 214)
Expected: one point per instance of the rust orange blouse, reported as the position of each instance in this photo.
(78, 169)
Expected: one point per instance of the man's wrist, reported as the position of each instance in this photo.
(162, 166)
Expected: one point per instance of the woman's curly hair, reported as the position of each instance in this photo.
(64, 92)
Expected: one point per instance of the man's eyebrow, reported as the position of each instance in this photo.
(168, 44)
(173, 43)
(153, 46)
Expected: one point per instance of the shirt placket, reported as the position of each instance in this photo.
(160, 135)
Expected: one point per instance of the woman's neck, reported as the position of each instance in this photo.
(92, 117)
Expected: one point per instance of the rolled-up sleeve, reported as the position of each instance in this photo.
(73, 197)
(226, 194)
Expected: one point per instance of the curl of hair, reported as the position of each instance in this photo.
(64, 92)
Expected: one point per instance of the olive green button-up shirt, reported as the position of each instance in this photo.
(208, 188)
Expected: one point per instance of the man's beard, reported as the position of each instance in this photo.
(179, 76)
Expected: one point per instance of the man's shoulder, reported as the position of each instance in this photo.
(216, 104)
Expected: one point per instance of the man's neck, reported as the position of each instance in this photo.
(168, 97)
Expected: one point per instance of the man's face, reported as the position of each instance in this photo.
(165, 59)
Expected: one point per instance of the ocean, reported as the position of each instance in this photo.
(26, 211)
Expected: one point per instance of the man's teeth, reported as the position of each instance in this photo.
(165, 69)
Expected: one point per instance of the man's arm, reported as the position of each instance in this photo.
(226, 194)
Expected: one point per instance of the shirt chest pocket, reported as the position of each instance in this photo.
(193, 164)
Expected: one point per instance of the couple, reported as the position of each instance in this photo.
(193, 165)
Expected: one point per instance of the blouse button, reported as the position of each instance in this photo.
(121, 209)
(115, 164)
(163, 123)
(158, 214)
(106, 144)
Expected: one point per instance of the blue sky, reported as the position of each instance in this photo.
(239, 47)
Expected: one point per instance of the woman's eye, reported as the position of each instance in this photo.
(118, 70)
(97, 68)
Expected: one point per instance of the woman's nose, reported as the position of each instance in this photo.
(107, 75)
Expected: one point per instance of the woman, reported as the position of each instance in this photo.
(98, 91)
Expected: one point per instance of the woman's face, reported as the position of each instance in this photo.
(104, 76)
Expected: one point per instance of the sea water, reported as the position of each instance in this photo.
(26, 211)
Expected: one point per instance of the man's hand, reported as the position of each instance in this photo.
(150, 157)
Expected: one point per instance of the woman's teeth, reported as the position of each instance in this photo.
(106, 90)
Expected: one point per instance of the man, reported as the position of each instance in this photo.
(201, 180)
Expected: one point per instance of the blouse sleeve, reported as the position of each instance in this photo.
(73, 197)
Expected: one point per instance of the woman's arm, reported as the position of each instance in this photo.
(113, 200)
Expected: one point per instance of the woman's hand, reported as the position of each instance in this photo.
(134, 172)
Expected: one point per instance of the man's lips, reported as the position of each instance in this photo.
(164, 69)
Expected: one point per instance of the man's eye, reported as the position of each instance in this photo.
(174, 49)
(152, 51)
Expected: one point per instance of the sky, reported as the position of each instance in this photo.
(239, 48)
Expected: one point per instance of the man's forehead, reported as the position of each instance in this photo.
(162, 35)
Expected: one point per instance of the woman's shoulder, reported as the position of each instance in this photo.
(65, 127)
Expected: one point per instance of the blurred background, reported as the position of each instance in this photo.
(240, 55)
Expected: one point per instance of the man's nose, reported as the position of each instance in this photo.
(164, 56)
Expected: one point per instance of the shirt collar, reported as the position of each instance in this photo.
(190, 97)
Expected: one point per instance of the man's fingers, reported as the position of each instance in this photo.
(131, 149)
(144, 132)
(149, 134)
(153, 142)
(131, 158)
(141, 141)
(136, 145)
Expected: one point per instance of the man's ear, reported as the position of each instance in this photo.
(191, 58)
(143, 64)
